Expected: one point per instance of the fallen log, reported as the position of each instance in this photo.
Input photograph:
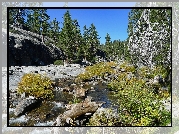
(76, 110)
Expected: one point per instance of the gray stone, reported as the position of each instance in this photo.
(123, 70)
(130, 75)
(26, 105)
(11, 72)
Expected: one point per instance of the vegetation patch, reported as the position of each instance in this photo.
(141, 107)
(138, 104)
(146, 72)
(104, 117)
(36, 85)
(75, 100)
(97, 70)
(58, 62)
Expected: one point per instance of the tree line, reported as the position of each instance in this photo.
(69, 38)
(78, 46)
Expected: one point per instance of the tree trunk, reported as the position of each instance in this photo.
(76, 110)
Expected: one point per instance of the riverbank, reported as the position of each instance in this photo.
(96, 88)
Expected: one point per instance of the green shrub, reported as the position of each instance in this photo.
(106, 117)
(36, 85)
(145, 72)
(127, 67)
(141, 107)
(97, 70)
(138, 103)
(58, 62)
(75, 100)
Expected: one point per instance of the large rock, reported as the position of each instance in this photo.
(27, 49)
(26, 105)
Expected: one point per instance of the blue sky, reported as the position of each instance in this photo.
(112, 21)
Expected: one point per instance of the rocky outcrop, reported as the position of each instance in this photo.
(27, 49)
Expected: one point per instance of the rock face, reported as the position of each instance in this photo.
(27, 49)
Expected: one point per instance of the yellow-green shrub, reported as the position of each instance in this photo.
(36, 85)
(141, 107)
(145, 72)
(99, 69)
(127, 67)
(138, 104)
(104, 118)
(58, 62)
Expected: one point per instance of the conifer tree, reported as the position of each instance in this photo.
(91, 40)
(108, 45)
(44, 25)
(78, 43)
(54, 31)
(86, 42)
(37, 21)
(33, 21)
(70, 37)
(16, 17)
(94, 39)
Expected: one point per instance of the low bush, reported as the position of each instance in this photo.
(145, 72)
(58, 62)
(36, 85)
(127, 67)
(141, 107)
(104, 117)
(97, 70)
(138, 104)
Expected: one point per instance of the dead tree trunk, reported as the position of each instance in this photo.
(76, 110)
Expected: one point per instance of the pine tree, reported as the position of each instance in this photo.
(70, 37)
(33, 21)
(54, 31)
(65, 33)
(78, 42)
(37, 21)
(44, 25)
(94, 39)
(108, 45)
(86, 42)
(16, 17)
(91, 40)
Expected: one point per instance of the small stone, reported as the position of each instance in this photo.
(73, 84)
(122, 70)
(92, 88)
(88, 114)
(11, 72)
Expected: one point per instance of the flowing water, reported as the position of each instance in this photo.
(48, 111)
